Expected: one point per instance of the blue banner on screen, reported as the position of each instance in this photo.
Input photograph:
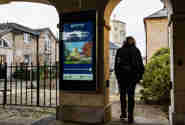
(78, 47)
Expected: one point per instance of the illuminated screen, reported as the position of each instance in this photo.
(78, 50)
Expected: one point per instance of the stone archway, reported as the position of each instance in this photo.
(85, 103)
(104, 8)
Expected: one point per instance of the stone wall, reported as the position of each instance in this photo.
(156, 35)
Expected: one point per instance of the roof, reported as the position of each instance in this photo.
(14, 26)
(113, 45)
(46, 29)
(7, 27)
(159, 14)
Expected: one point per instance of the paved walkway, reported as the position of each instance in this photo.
(139, 121)
(144, 115)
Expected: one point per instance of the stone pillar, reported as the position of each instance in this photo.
(177, 42)
(90, 107)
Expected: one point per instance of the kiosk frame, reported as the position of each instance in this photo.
(78, 85)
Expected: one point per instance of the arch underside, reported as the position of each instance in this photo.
(34, 1)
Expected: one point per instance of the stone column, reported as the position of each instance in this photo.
(177, 42)
(90, 107)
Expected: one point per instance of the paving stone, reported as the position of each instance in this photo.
(144, 115)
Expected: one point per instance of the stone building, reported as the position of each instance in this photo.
(117, 32)
(112, 54)
(20, 44)
(156, 28)
(78, 107)
(117, 36)
(48, 46)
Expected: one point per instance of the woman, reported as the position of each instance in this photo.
(129, 69)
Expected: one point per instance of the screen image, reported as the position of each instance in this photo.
(78, 50)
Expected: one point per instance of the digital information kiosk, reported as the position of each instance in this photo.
(78, 51)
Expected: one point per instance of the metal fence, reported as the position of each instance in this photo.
(29, 85)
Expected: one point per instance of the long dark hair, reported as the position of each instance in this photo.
(130, 41)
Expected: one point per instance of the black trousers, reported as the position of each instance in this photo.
(130, 92)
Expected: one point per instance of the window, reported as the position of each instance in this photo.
(27, 38)
(47, 44)
(4, 43)
(115, 28)
(114, 52)
(1, 43)
(2, 59)
(27, 59)
(122, 35)
(46, 59)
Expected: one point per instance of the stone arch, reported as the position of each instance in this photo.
(107, 13)
(109, 8)
(49, 2)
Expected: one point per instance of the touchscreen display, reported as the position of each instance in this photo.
(78, 50)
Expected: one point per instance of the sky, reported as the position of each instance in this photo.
(33, 15)
(132, 12)
(36, 15)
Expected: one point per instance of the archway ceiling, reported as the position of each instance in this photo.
(35, 1)
(69, 5)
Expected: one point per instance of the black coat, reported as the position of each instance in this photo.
(129, 66)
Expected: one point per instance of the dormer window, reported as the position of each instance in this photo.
(27, 38)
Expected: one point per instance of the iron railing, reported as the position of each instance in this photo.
(29, 85)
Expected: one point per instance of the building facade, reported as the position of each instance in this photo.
(156, 28)
(117, 32)
(113, 50)
(48, 46)
(19, 44)
(117, 36)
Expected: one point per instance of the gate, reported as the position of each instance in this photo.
(29, 85)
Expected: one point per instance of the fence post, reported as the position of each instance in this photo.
(5, 85)
(38, 84)
(56, 77)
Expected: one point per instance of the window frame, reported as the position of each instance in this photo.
(27, 38)
(47, 42)
(29, 59)
(3, 43)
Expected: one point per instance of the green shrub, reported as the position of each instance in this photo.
(21, 74)
(161, 51)
(156, 79)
